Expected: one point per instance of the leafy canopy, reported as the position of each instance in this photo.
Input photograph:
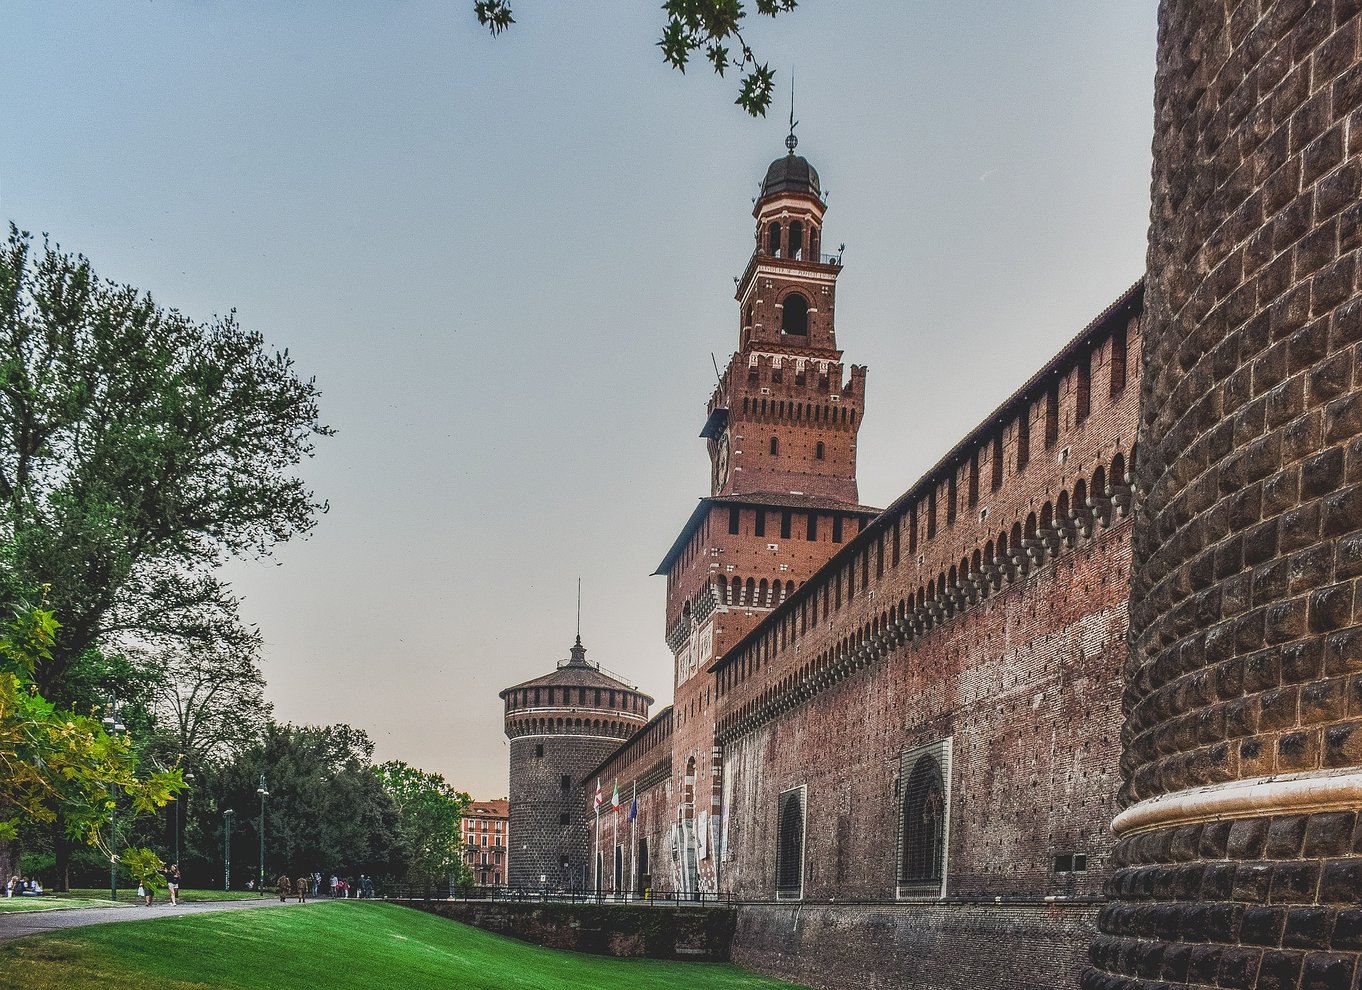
(430, 811)
(138, 449)
(55, 762)
(713, 27)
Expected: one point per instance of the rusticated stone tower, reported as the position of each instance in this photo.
(782, 428)
(1240, 856)
(560, 726)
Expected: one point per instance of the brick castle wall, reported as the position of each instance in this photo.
(1026, 685)
(1245, 600)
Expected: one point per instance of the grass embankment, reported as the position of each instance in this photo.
(92, 897)
(342, 946)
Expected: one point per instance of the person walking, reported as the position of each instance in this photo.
(284, 888)
(173, 883)
(302, 890)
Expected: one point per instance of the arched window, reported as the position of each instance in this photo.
(790, 846)
(773, 240)
(794, 318)
(922, 852)
(797, 240)
(748, 322)
(775, 446)
(819, 451)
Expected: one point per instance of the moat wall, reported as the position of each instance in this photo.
(946, 945)
(654, 932)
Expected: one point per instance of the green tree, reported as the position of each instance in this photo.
(326, 810)
(138, 449)
(207, 700)
(711, 27)
(57, 763)
(430, 811)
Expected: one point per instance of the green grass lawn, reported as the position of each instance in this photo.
(93, 897)
(345, 946)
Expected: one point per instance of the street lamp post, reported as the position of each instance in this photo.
(263, 791)
(227, 849)
(113, 727)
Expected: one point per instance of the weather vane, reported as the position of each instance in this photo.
(792, 142)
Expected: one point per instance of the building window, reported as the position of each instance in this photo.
(775, 446)
(819, 451)
(974, 478)
(733, 518)
(813, 527)
(785, 520)
(563, 818)
(952, 497)
(567, 785)
(1052, 415)
(1118, 360)
(790, 845)
(1024, 436)
(924, 820)
(794, 317)
(1071, 863)
(998, 462)
(539, 751)
(1083, 397)
(761, 523)
(836, 529)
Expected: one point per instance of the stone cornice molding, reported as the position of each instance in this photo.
(1258, 797)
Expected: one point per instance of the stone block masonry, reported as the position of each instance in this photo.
(1240, 862)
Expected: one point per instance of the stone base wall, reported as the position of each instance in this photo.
(687, 934)
(941, 946)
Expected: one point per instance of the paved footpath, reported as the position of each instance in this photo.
(21, 924)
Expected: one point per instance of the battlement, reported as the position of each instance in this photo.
(791, 377)
(1048, 469)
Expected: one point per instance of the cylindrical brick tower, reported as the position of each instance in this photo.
(1240, 855)
(561, 725)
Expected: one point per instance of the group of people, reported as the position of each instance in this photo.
(341, 887)
(147, 892)
(23, 887)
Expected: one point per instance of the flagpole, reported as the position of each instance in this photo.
(633, 842)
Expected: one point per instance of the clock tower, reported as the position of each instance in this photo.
(781, 430)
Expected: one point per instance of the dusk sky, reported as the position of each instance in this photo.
(507, 263)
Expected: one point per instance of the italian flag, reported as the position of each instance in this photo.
(615, 798)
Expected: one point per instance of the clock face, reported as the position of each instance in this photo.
(721, 464)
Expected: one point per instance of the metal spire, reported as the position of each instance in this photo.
(579, 611)
(792, 142)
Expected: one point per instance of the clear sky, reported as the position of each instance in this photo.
(508, 261)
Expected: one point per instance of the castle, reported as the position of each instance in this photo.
(1083, 703)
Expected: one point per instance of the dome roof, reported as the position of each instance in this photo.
(792, 173)
(576, 671)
